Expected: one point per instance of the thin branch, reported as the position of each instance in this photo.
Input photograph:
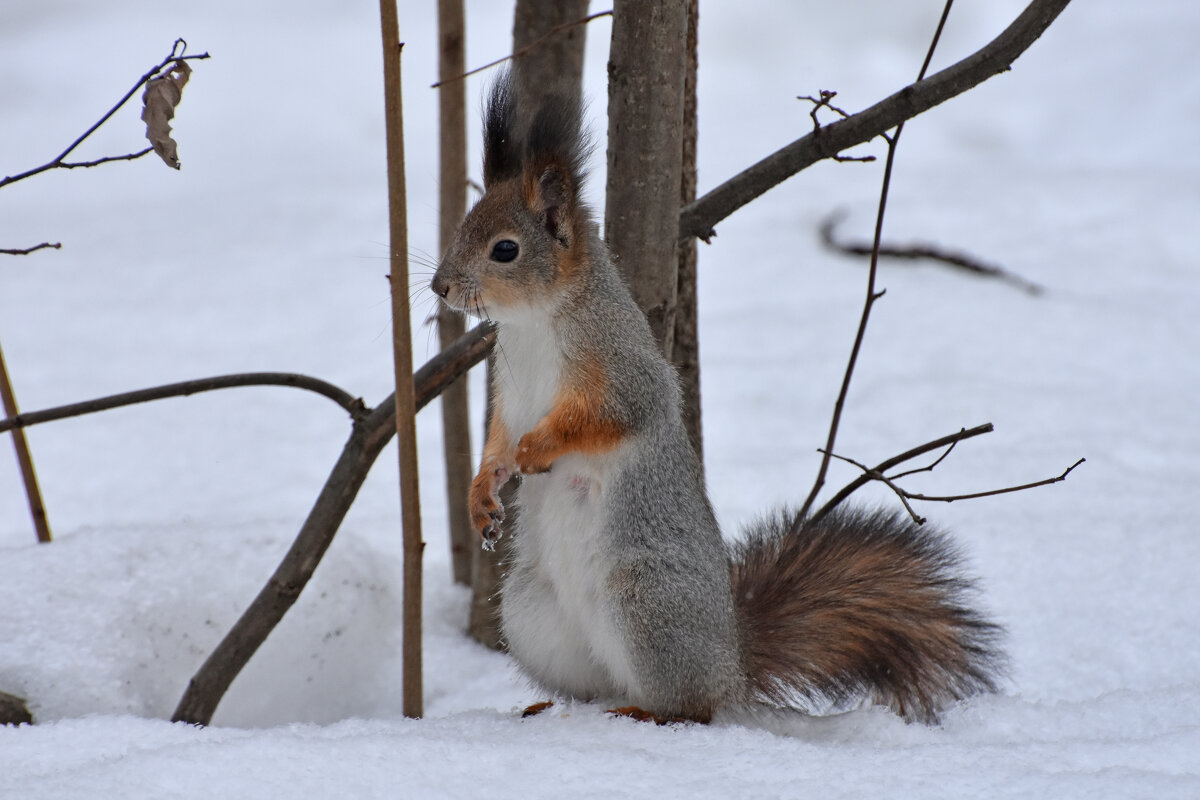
(904, 495)
(872, 295)
(913, 252)
(875, 475)
(929, 467)
(105, 159)
(33, 494)
(412, 681)
(527, 48)
(698, 218)
(27, 250)
(353, 405)
(178, 54)
(992, 492)
(907, 455)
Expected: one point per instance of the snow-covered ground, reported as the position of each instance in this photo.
(267, 252)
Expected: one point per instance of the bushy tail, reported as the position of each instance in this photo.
(859, 604)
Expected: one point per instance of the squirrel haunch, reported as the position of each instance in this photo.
(620, 586)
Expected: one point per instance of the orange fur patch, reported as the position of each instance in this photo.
(578, 423)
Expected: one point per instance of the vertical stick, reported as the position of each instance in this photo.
(686, 355)
(872, 295)
(406, 428)
(456, 421)
(24, 459)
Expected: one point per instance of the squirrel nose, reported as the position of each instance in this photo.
(440, 286)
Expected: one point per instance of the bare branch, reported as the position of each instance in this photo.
(367, 439)
(825, 96)
(27, 250)
(907, 455)
(993, 492)
(527, 48)
(872, 295)
(904, 495)
(876, 475)
(105, 159)
(913, 252)
(698, 218)
(353, 405)
(33, 494)
(178, 55)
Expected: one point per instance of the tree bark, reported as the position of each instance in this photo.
(556, 65)
(686, 354)
(452, 151)
(645, 147)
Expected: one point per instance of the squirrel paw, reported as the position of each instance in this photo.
(531, 458)
(642, 715)
(536, 708)
(486, 510)
(492, 533)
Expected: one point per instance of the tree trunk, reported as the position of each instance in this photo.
(686, 355)
(456, 421)
(645, 146)
(555, 66)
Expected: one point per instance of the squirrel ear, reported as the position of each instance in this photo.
(553, 196)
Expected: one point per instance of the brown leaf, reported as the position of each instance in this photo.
(159, 100)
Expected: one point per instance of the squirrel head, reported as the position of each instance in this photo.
(519, 247)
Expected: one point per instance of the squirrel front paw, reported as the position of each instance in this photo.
(487, 512)
(533, 457)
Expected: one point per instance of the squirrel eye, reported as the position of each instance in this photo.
(504, 250)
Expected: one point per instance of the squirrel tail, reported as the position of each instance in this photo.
(859, 603)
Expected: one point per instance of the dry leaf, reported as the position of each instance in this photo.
(159, 100)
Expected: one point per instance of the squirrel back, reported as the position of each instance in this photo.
(620, 586)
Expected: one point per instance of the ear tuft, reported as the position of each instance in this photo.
(501, 149)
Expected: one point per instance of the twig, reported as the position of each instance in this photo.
(368, 437)
(27, 250)
(904, 495)
(992, 492)
(178, 54)
(527, 48)
(37, 509)
(353, 405)
(908, 455)
(105, 159)
(872, 295)
(913, 252)
(698, 218)
(825, 96)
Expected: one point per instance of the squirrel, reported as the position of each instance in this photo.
(620, 585)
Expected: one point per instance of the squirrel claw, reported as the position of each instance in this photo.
(491, 534)
(642, 715)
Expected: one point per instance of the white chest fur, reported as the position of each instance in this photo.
(557, 616)
(528, 371)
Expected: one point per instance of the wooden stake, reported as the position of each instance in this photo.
(406, 428)
(36, 509)
(452, 204)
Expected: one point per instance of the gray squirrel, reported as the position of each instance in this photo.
(621, 587)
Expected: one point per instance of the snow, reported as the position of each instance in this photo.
(267, 251)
